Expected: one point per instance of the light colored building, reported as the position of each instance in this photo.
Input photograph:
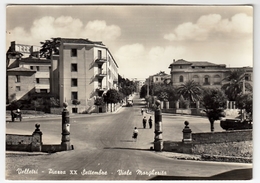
(205, 73)
(21, 59)
(42, 75)
(82, 70)
(20, 83)
(159, 78)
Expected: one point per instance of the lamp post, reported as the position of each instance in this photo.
(65, 140)
(158, 141)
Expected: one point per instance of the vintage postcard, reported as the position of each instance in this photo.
(129, 92)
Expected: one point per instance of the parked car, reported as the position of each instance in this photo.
(129, 103)
(236, 124)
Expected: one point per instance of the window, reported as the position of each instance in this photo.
(74, 68)
(18, 88)
(156, 79)
(49, 68)
(193, 67)
(74, 110)
(74, 82)
(31, 67)
(181, 79)
(181, 67)
(99, 54)
(196, 79)
(206, 80)
(17, 79)
(74, 95)
(37, 80)
(217, 80)
(73, 52)
(37, 68)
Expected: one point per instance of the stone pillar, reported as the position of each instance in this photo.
(227, 105)
(167, 104)
(162, 105)
(197, 104)
(186, 133)
(158, 142)
(65, 140)
(36, 145)
(177, 104)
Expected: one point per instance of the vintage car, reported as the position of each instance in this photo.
(236, 124)
(16, 115)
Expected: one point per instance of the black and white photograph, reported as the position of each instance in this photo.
(133, 92)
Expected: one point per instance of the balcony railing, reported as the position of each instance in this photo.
(101, 60)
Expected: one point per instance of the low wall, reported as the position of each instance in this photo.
(16, 142)
(237, 143)
(219, 137)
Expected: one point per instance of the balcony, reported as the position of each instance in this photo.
(101, 74)
(101, 60)
(97, 60)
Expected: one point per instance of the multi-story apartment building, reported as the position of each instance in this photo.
(158, 78)
(21, 60)
(20, 83)
(205, 73)
(82, 70)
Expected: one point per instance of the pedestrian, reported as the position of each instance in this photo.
(135, 134)
(144, 122)
(142, 111)
(150, 122)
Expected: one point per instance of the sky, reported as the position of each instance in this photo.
(143, 39)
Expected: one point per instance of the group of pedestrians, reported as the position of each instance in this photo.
(150, 122)
(144, 120)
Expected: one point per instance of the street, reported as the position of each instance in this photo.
(104, 150)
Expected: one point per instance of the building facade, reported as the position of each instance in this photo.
(20, 83)
(205, 73)
(82, 70)
(24, 61)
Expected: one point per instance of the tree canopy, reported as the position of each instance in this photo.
(214, 101)
(234, 84)
(112, 96)
(190, 90)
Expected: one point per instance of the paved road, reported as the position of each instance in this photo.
(103, 146)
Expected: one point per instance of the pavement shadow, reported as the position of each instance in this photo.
(239, 174)
(127, 148)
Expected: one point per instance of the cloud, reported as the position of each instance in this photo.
(64, 26)
(100, 30)
(135, 61)
(210, 24)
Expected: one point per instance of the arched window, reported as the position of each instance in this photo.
(196, 78)
(181, 79)
(217, 80)
(206, 80)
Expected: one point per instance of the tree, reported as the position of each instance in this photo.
(143, 91)
(50, 47)
(190, 90)
(234, 84)
(214, 101)
(245, 102)
(112, 96)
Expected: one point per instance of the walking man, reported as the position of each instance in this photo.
(144, 122)
(150, 122)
